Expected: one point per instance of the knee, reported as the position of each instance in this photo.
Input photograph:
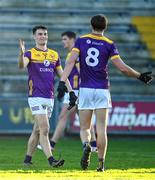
(84, 127)
(36, 132)
(44, 131)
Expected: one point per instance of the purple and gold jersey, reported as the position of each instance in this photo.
(74, 75)
(94, 53)
(41, 70)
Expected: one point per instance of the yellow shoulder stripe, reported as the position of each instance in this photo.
(76, 49)
(97, 38)
(59, 67)
(115, 57)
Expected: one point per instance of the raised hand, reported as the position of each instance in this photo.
(22, 46)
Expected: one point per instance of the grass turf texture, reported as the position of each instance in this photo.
(127, 158)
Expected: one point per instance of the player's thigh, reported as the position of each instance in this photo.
(64, 112)
(101, 118)
(85, 118)
(85, 101)
(102, 99)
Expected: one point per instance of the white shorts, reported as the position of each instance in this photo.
(66, 97)
(94, 98)
(40, 105)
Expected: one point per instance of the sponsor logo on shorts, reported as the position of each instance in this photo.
(35, 108)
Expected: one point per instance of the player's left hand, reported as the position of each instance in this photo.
(146, 77)
(72, 100)
(61, 90)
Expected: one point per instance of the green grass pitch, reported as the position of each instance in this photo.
(127, 158)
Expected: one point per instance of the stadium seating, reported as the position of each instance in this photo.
(145, 26)
(18, 17)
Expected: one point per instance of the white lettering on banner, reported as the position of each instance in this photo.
(125, 116)
(141, 120)
(151, 120)
(129, 109)
(116, 120)
(128, 120)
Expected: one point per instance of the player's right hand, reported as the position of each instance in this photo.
(61, 90)
(22, 46)
(146, 77)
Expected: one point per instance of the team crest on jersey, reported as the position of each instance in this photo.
(46, 63)
(88, 41)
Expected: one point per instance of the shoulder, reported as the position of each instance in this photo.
(31, 50)
(85, 36)
(68, 55)
(28, 53)
(102, 38)
(82, 39)
(53, 52)
(107, 40)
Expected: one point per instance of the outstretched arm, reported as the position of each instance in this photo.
(23, 61)
(124, 68)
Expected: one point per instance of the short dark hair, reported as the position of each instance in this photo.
(38, 27)
(69, 34)
(99, 22)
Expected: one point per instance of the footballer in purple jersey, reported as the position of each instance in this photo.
(41, 69)
(42, 64)
(94, 50)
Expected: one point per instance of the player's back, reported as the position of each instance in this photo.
(94, 53)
